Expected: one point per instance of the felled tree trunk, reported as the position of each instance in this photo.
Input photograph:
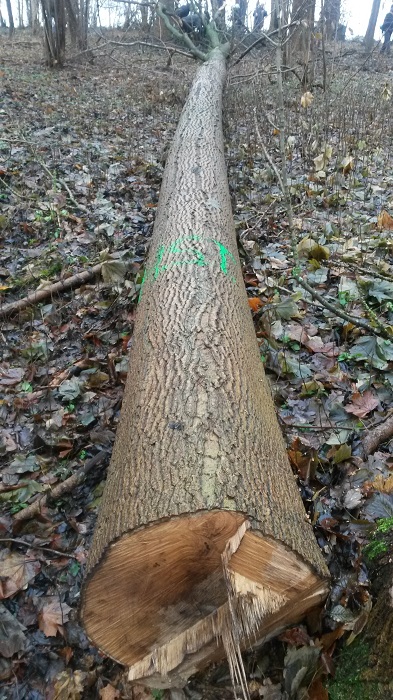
(364, 668)
(202, 545)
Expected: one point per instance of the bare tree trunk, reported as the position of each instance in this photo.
(202, 541)
(20, 14)
(303, 11)
(10, 18)
(330, 15)
(33, 16)
(78, 22)
(369, 38)
(54, 27)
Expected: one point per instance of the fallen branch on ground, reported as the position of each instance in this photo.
(375, 437)
(341, 314)
(61, 489)
(41, 294)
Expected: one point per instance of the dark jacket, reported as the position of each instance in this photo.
(388, 23)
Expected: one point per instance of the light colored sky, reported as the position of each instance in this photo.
(356, 13)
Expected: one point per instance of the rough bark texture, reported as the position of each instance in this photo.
(331, 17)
(364, 670)
(303, 11)
(369, 37)
(198, 435)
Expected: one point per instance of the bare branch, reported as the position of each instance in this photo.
(182, 36)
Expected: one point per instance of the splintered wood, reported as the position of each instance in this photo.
(180, 594)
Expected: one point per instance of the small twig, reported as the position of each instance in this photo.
(267, 156)
(375, 437)
(41, 294)
(58, 179)
(55, 552)
(161, 47)
(337, 312)
(65, 487)
(14, 192)
(260, 40)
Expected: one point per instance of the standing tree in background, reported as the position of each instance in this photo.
(369, 38)
(78, 22)
(303, 12)
(54, 29)
(10, 18)
(330, 16)
(32, 15)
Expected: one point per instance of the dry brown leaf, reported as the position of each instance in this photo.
(53, 616)
(109, 693)
(16, 570)
(362, 404)
(68, 686)
(254, 303)
(316, 691)
(383, 485)
(384, 221)
(141, 692)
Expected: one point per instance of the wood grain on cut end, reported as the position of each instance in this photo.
(159, 600)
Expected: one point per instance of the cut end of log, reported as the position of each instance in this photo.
(171, 598)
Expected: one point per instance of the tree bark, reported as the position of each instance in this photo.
(330, 16)
(369, 38)
(364, 668)
(10, 18)
(201, 543)
(303, 11)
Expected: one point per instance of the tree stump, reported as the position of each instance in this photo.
(202, 545)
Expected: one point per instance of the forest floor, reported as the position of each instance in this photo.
(81, 160)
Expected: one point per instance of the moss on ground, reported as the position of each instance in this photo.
(349, 682)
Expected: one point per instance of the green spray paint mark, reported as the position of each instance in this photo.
(225, 255)
(179, 248)
(160, 255)
(174, 249)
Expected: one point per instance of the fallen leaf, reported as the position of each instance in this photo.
(16, 570)
(306, 99)
(383, 485)
(11, 376)
(316, 691)
(384, 221)
(109, 693)
(255, 303)
(12, 637)
(68, 686)
(362, 404)
(52, 616)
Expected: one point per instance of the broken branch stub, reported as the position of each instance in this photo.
(202, 545)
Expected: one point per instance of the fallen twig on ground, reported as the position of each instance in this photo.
(30, 545)
(375, 437)
(41, 294)
(65, 487)
(341, 314)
